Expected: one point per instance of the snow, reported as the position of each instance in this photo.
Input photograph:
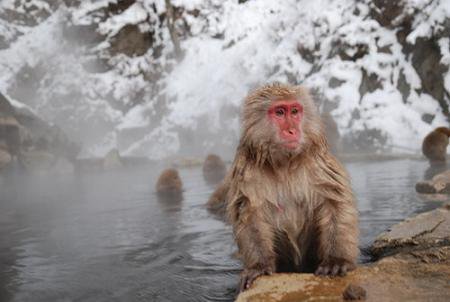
(444, 45)
(230, 49)
(135, 14)
(429, 15)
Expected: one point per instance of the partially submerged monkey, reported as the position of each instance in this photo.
(287, 197)
(169, 185)
(434, 145)
(214, 169)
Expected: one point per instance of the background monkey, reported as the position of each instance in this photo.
(434, 145)
(169, 185)
(214, 169)
(288, 199)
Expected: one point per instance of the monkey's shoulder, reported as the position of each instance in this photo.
(436, 137)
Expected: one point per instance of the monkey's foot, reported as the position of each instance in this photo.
(250, 275)
(335, 267)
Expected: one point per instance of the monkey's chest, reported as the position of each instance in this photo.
(290, 214)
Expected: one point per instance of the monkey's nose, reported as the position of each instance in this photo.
(290, 133)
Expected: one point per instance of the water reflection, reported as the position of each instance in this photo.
(106, 237)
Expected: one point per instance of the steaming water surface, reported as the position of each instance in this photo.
(106, 237)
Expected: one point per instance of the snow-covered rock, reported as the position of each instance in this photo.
(105, 71)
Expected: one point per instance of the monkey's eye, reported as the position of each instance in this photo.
(294, 111)
(279, 112)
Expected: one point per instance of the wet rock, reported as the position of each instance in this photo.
(439, 184)
(395, 278)
(36, 144)
(426, 230)
(131, 41)
(112, 160)
(38, 136)
(354, 292)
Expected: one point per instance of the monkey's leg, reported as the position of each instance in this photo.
(254, 237)
(337, 224)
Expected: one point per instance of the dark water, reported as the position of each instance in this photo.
(106, 237)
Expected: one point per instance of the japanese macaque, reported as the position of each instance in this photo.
(288, 199)
(214, 169)
(434, 145)
(169, 185)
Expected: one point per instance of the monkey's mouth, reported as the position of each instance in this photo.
(291, 144)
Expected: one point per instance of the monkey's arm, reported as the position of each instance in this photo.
(336, 222)
(254, 237)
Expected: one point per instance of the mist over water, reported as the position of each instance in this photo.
(106, 237)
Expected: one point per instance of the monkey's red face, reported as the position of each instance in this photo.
(286, 115)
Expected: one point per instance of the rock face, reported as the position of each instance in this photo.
(36, 144)
(439, 184)
(9, 133)
(418, 269)
(397, 278)
(426, 230)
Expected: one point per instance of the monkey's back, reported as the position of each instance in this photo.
(434, 146)
(169, 182)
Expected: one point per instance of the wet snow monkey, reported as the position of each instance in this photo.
(214, 169)
(169, 185)
(434, 145)
(288, 199)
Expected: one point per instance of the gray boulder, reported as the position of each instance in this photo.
(426, 230)
(439, 184)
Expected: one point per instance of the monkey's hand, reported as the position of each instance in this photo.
(250, 274)
(334, 267)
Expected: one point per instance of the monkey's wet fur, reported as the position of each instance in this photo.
(287, 197)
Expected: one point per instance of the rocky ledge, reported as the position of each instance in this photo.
(31, 142)
(426, 230)
(413, 265)
(439, 184)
